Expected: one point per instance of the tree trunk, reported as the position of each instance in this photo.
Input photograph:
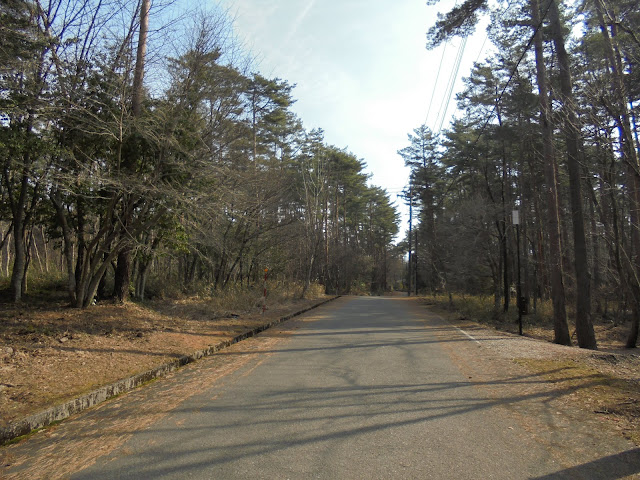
(621, 116)
(584, 325)
(18, 210)
(34, 248)
(82, 252)
(101, 293)
(67, 244)
(19, 262)
(561, 328)
(142, 281)
(27, 261)
(45, 244)
(4, 242)
(8, 262)
(634, 261)
(505, 266)
(307, 280)
(138, 76)
(122, 277)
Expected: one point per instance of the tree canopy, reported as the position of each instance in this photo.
(205, 177)
(547, 126)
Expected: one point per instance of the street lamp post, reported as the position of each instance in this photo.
(515, 217)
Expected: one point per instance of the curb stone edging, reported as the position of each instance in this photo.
(76, 405)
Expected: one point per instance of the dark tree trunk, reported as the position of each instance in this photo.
(584, 325)
(82, 248)
(138, 76)
(67, 243)
(561, 328)
(634, 262)
(632, 339)
(505, 267)
(122, 276)
(27, 261)
(101, 293)
(621, 116)
(19, 213)
(141, 284)
(19, 260)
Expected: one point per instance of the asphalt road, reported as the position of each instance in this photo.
(365, 392)
(360, 390)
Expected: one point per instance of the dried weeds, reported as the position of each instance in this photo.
(50, 353)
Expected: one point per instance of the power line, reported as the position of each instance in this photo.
(458, 60)
(433, 92)
(513, 72)
(452, 81)
(486, 37)
(456, 178)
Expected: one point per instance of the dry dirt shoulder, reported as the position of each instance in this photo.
(51, 355)
(602, 386)
(71, 446)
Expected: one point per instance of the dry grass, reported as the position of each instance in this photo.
(50, 353)
(611, 336)
(605, 383)
(592, 390)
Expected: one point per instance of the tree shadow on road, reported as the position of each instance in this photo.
(358, 410)
(620, 465)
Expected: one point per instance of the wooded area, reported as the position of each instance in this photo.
(548, 128)
(141, 152)
(138, 145)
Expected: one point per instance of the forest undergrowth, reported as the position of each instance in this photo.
(51, 352)
(611, 329)
(605, 383)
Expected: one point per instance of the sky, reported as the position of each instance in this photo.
(361, 69)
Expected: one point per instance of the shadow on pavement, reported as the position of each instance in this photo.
(619, 466)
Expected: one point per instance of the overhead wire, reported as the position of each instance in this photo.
(486, 37)
(454, 73)
(456, 178)
(444, 107)
(513, 72)
(433, 92)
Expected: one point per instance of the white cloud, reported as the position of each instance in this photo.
(362, 71)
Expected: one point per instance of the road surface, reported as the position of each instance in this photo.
(362, 388)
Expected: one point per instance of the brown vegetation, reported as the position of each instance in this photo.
(50, 353)
(606, 382)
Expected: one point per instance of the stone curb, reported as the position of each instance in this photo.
(66, 409)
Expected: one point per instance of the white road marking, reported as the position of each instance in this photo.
(467, 335)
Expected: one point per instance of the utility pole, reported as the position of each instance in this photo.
(415, 263)
(410, 219)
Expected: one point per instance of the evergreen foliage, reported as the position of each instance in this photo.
(548, 127)
(205, 178)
